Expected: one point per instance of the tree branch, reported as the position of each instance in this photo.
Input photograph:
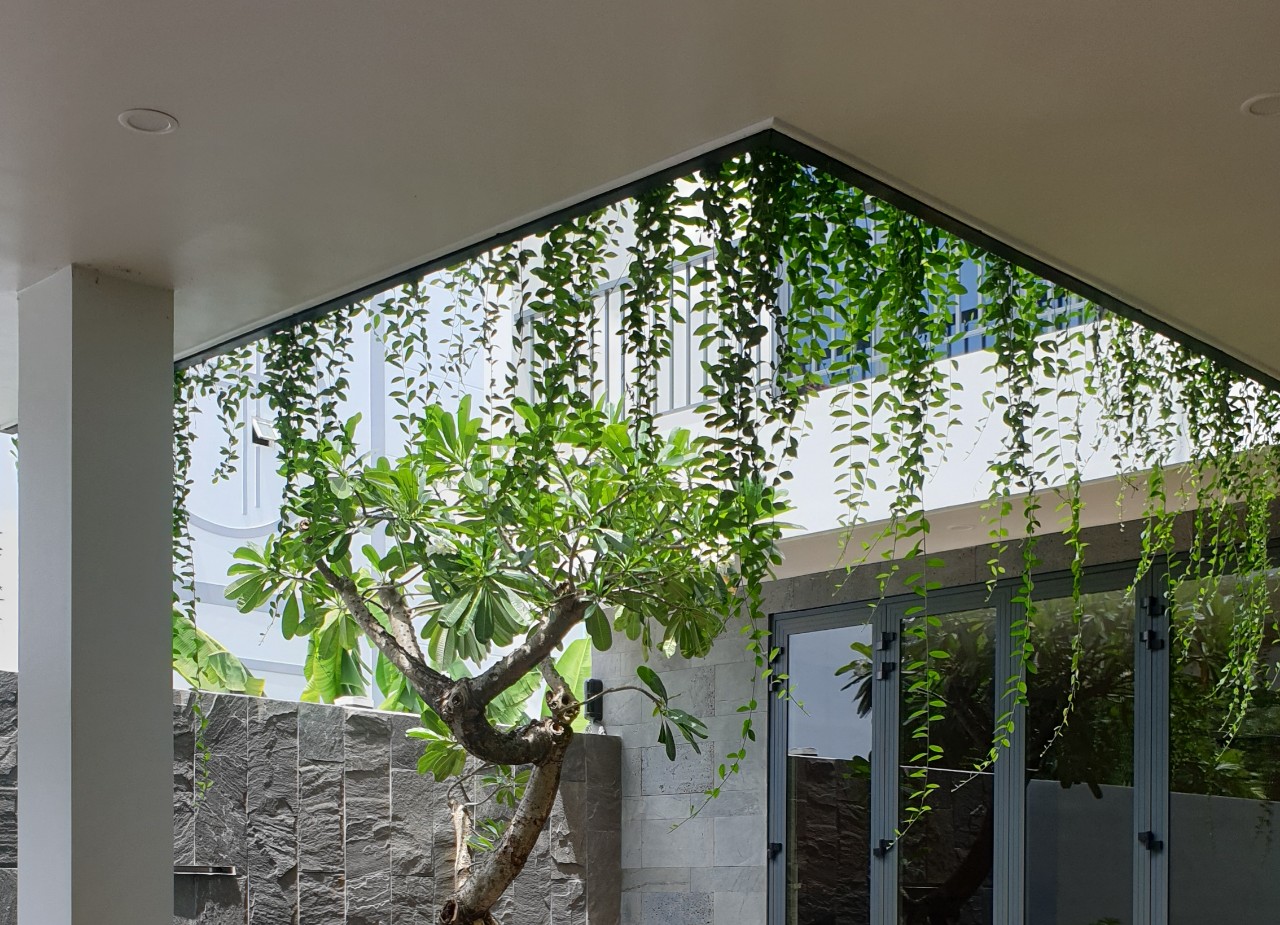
(401, 620)
(562, 703)
(430, 684)
(566, 613)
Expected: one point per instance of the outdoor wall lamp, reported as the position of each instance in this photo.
(593, 700)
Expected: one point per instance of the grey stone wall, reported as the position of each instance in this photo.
(678, 869)
(325, 818)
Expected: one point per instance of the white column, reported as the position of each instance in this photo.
(95, 751)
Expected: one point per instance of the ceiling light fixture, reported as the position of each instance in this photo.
(148, 121)
(1264, 104)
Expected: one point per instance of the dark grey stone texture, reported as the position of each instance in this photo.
(320, 732)
(369, 898)
(8, 826)
(320, 817)
(322, 812)
(413, 799)
(184, 777)
(220, 817)
(8, 729)
(367, 805)
(272, 812)
(405, 751)
(8, 896)
(209, 900)
(321, 899)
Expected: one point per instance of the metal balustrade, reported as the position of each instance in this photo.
(690, 317)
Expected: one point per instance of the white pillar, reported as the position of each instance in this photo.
(95, 751)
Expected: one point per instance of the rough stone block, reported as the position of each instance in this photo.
(209, 900)
(321, 898)
(8, 826)
(676, 909)
(272, 800)
(413, 799)
(442, 850)
(568, 903)
(567, 832)
(320, 732)
(273, 869)
(690, 772)
(273, 757)
(405, 751)
(367, 798)
(8, 729)
(8, 896)
(369, 898)
(320, 805)
(367, 741)
(368, 832)
(184, 773)
(220, 818)
(530, 903)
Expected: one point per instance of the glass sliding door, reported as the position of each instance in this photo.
(946, 813)
(828, 735)
(1224, 753)
(1079, 735)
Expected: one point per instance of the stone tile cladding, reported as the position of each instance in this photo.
(323, 814)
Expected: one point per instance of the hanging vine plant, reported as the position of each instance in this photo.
(541, 491)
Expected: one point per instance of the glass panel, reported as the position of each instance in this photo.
(1080, 836)
(829, 777)
(945, 849)
(1224, 850)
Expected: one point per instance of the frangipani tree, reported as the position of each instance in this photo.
(489, 549)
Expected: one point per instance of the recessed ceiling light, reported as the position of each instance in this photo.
(1264, 104)
(148, 121)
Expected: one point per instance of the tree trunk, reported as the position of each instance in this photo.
(479, 883)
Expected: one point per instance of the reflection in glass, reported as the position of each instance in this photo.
(828, 781)
(1224, 859)
(1079, 835)
(945, 851)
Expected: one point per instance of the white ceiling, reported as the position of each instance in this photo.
(326, 143)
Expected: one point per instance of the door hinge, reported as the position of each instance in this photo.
(885, 670)
(1155, 606)
(887, 639)
(883, 847)
(775, 849)
(1152, 639)
(1149, 841)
